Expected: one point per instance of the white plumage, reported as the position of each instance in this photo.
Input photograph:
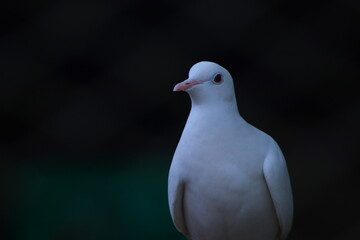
(228, 180)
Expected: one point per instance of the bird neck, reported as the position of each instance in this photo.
(223, 111)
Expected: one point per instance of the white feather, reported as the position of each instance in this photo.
(228, 180)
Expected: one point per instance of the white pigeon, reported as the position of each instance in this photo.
(227, 180)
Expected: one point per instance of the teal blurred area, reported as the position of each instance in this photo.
(67, 200)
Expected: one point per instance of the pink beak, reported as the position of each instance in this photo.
(185, 85)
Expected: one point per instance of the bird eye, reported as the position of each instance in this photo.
(218, 79)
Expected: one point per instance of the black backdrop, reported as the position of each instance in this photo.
(89, 122)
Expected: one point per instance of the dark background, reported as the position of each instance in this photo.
(89, 122)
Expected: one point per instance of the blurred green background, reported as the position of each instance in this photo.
(89, 122)
(91, 201)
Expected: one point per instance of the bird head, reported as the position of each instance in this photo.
(208, 82)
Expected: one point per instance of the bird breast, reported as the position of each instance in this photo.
(219, 188)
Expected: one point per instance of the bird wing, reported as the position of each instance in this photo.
(176, 189)
(278, 182)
